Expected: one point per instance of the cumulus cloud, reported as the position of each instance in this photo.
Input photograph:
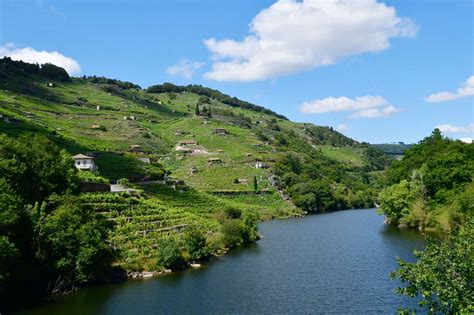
(184, 68)
(447, 128)
(466, 140)
(466, 90)
(369, 106)
(342, 127)
(375, 112)
(292, 36)
(31, 55)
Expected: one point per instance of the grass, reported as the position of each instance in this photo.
(70, 110)
(341, 154)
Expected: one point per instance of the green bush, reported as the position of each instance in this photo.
(195, 244)
(169, 254)
(442, 278)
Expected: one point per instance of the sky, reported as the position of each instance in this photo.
(379, 71)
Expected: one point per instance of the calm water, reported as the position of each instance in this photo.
(330, 263)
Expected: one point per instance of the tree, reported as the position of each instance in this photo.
(232, 230)
(443, 277)
(255, 184)
(35, 167)
(71, 241)
(169, 254)
(196, 111)
(195, 243)
(54, 72)
(14, 230)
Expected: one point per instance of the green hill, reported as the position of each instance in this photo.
(210, 141)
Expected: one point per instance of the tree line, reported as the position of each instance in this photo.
(211, 93)
(431, 189)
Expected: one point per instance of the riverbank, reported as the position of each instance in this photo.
(335, 262)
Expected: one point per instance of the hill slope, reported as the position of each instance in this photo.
(207, 139)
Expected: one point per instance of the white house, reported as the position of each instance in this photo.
(260, 165)
(84, 162)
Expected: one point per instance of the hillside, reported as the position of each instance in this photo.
(431, 188)
(203, 146)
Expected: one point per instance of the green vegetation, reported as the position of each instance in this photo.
(442, 278)
(210, 93)
(179, 149)
(46, 237)
(431, 187)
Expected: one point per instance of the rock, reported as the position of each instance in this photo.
(167, 270)
(195, 266)
(147, 274)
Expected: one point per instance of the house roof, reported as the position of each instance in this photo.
(82, 156)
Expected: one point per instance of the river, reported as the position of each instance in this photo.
(335, 263)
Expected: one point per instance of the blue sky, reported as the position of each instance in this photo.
(366, 67)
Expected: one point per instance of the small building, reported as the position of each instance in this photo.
(84, 162)
(136, 148)
(118, 188)
(187, 142)
(220, 131)
(183, 149)
(214, 160)
(243, 181)
(144, 160)
(259, 164)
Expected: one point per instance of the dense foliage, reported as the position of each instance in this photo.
(45, 233)
(125, 85)
(204, 91)
(431, 187)
(47, 70)
(443, 277)
(316, 183)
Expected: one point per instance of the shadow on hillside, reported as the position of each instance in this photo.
(112, 165)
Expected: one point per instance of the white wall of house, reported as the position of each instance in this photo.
(85, 164)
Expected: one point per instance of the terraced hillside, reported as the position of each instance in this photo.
(223, 149)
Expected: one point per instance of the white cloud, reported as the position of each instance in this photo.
(31, 55)
(368, 106)
(184, 68)
(342, 127)
(466, 90)
(466, 140)
(291, 36)
(447, 128)
(375, 112)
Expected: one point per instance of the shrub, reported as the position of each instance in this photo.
(169, 254)
(195, 244)
(232, 230)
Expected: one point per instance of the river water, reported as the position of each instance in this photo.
(334, 263)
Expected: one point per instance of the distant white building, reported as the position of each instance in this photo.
(260, 165)
(144, 160)
(84, 162)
